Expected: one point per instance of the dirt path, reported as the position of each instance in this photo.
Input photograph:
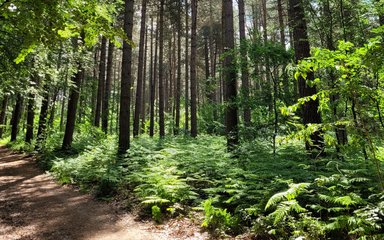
(33, 206)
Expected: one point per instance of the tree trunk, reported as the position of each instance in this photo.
(63, 100)
(126, 81)
(74, 96)
(229, 76)
(100, 88)
(161, 71)
(107, 90)
(3, 112)
(186, 67)
(152, 82)
(145, 94)
(43, 117)
(281, 22)
(30, 118)
(139, 85)
(178, 79)
(244, 66)
(16, 115)
(310, 112)
(193, 69)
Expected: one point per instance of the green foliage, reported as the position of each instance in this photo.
(216, 219)
(336, 207)
(156, 213)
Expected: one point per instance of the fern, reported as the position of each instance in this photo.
(290, 194)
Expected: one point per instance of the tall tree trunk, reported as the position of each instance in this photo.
(74, 96)
(310, 112)
(126, 81)
(30, 118)
(281, 22)
(107, 90)
(268, 82)
(100, 88)
(230, 94)
(193, 69)
(186, 67)
(178, 79)
(3, 112)
(63, 100)
(139, 86)
(161, 71)
(16, 115)
(95, 81)
(152, 82)
(43, 117)
(114, 96)
(207, 69)
(145, 94)
(244, 66)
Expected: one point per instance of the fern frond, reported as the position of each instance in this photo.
(290, 194)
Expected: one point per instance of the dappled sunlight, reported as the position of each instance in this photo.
(33, 206)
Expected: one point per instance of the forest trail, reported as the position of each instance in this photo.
(33, 206)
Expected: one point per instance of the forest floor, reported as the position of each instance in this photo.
(34, 206)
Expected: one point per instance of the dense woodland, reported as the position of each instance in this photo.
(266, 117)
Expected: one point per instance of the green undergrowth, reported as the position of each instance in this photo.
(275, 196)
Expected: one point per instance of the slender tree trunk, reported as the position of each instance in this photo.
(161, 71)
(178, 79)
(100, 88)
(63, 100)
(152, 83)
(144, 104)
(16, 115)
(231, 119)
(74, 96)
(139, 86)
(114, 96)
(193, 69)
(95, 82)
(107, 90)
(281, 22)
(43, 117)
(126, 80)
(302, 50)
(244, 65)
(3, 112)
(186, 67)
(30, 114)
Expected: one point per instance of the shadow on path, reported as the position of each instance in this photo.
(33, 206)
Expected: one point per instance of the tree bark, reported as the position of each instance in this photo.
(145, 94)
(107, 90)
(139, 85)
(310, 112)
(126, 81)
(3, 112)
(43, 117)
(229, 76)
(244, 66)
(16, 115)
(178, 79)
(186, 67)
(161, 71)
(153, 81)
(100, 88)
(193, 69)
(30, 118)
(74, 96)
